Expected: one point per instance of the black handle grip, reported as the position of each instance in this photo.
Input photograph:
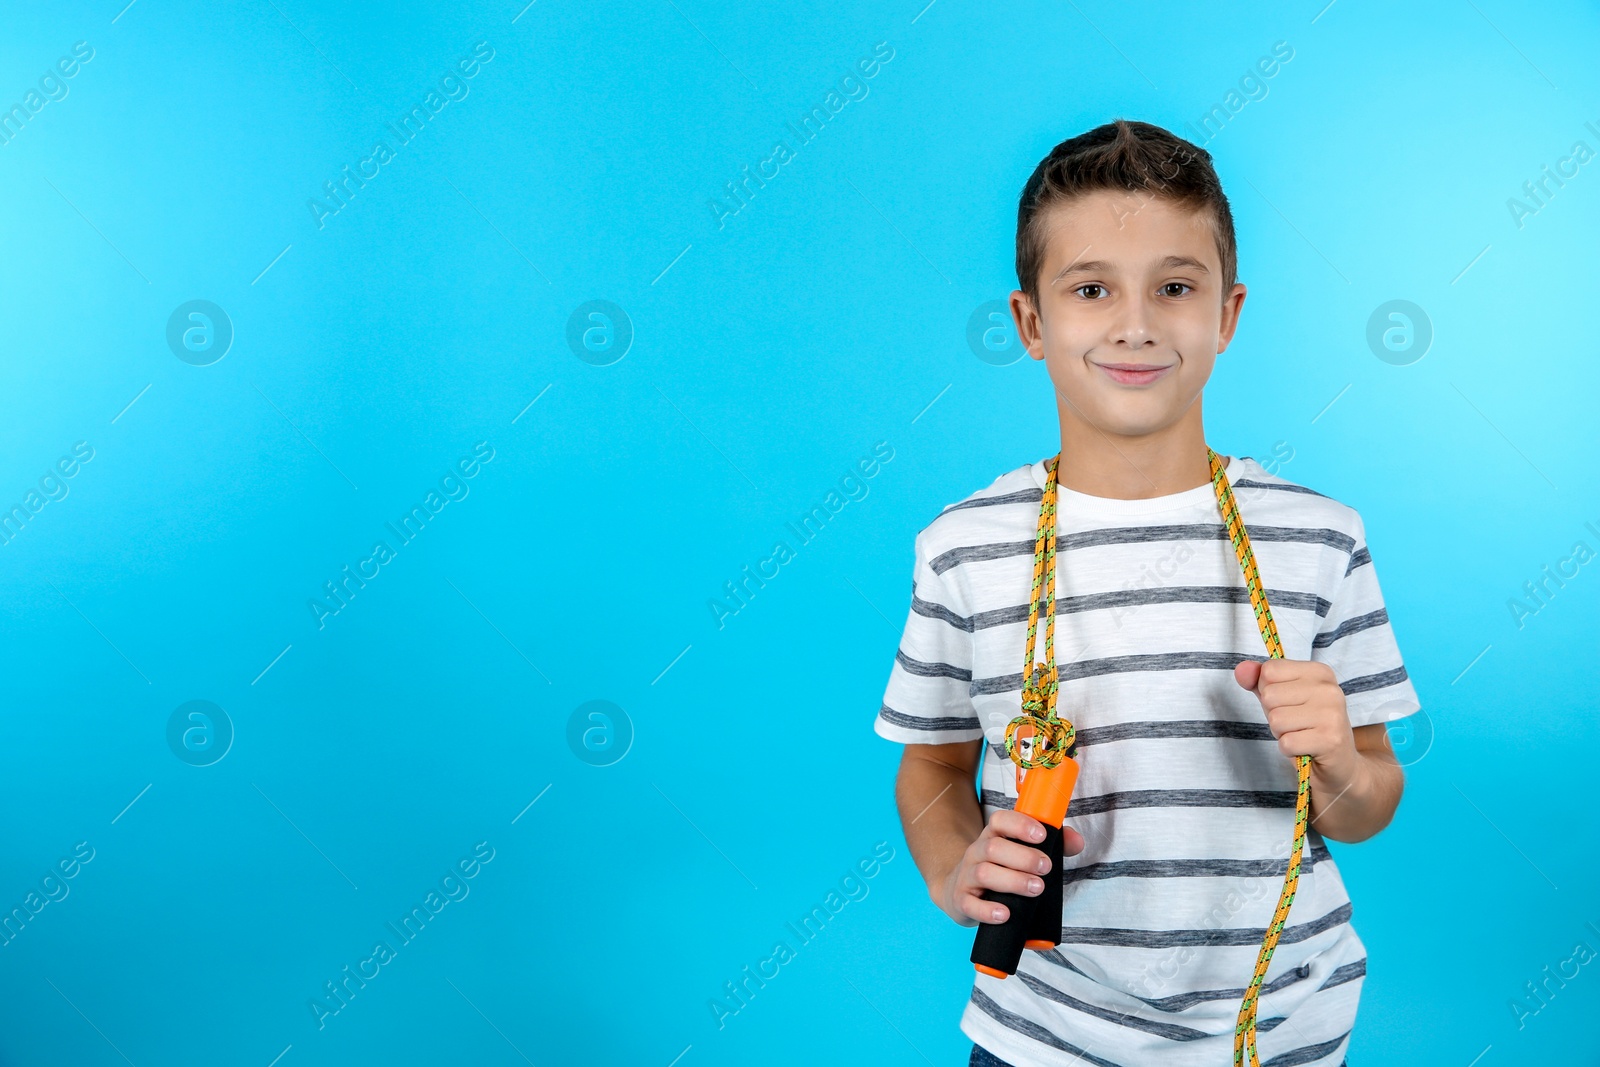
(999, 945)
(1047, 913)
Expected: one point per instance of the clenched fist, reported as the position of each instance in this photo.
(1306, 712)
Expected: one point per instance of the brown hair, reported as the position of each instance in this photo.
(1122, 155)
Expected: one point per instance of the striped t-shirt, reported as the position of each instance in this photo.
(1184, 800)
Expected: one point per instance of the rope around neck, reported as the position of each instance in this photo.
(1056, 738)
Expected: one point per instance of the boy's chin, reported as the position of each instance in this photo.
(1123, 416)
(1134, 429)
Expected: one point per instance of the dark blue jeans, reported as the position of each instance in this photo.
(982, 1057)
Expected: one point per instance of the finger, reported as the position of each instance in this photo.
(1289, 693)
(977, 909)
(1018, 857)
(1072, 842)
(1247, 673)
(1296, 717)
(1006, 880)
(1017, 826)
(1302, 743)
(1278, 669)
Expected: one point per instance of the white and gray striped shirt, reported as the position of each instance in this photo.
(1185, 802)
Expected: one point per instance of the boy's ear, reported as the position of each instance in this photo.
(1026, 318)
(1232, 304)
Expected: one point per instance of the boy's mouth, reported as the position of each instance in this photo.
(1134, 373)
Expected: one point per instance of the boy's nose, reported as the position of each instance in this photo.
(1134, 324)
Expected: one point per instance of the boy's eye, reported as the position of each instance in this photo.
(1095, 291)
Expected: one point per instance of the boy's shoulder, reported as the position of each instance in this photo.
(1269, 499)
(1007, 509)
(1002, 511)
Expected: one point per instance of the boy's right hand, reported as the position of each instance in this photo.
(999, 860)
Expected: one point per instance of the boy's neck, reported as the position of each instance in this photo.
(1101, 463)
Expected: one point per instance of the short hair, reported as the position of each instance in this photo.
(1123, 156)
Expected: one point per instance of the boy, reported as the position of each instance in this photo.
(1183, 814)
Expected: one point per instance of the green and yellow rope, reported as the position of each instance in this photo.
(1056, 737)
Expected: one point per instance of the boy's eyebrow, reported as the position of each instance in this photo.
(1098, 266)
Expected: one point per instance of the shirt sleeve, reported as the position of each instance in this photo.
(929, 697)
(1358, 642)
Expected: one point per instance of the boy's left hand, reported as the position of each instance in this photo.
(1306, 713)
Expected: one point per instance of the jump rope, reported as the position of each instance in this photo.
(1051, 743)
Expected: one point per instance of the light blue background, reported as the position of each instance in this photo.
(769, 355)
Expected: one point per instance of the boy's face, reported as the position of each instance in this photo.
(1129, 281)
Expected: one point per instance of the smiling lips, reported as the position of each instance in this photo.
(1134, 373)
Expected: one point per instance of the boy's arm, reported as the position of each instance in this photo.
(939, 809)
(1368, 803)
(958, 855)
